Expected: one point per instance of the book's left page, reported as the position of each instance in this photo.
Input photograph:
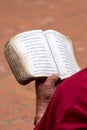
(29, 56)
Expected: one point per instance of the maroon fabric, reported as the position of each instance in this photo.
(68, 107)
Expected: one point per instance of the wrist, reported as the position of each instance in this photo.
(37, 119)
(40, 109)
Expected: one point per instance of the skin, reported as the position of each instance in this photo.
(44, 91)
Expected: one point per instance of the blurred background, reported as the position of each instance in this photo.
(17, 102)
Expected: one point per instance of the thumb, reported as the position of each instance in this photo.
(51, 80)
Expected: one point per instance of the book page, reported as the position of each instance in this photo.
(63, 53)
(34, 52)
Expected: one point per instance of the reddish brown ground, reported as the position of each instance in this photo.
(17, 103)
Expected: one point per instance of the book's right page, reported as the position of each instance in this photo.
(62, 50)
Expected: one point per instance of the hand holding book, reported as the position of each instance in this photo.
(36, 54)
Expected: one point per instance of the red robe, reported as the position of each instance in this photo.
(68, 107)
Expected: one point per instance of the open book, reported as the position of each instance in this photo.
(35, 54)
